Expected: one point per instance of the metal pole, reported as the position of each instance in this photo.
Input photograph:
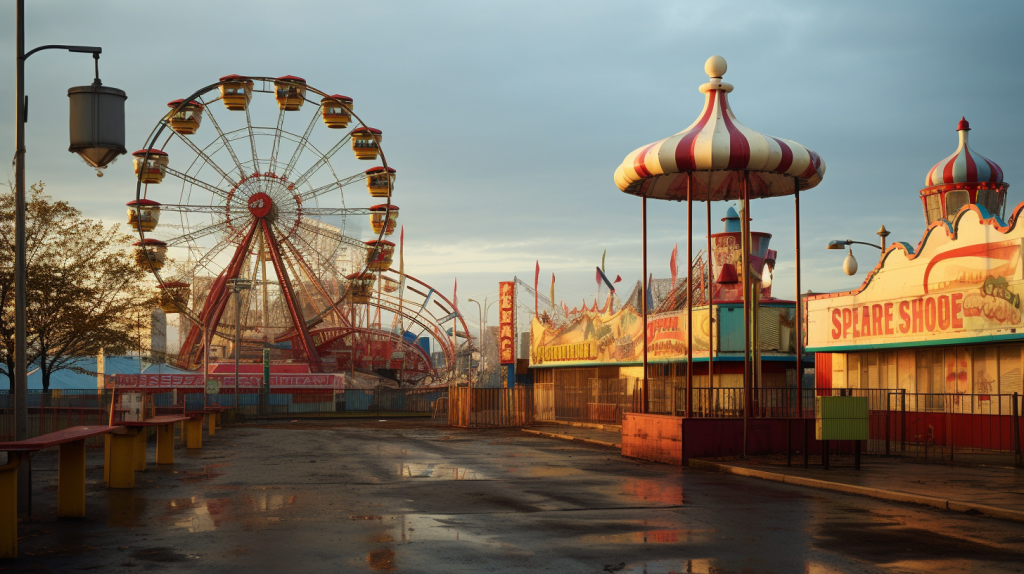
(238, 337)
(20, 350)
(745, 263)
(643, 390)
(689, 295)
(799, 310)
(711, 305)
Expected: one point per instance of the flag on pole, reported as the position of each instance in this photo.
(536, 281)
(552, 291)
(617, 278)
(602, 259)
(672, 267)
(602, 277)
(650, 293)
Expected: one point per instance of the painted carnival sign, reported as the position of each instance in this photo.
(183, 381)
(506, 323)
(595, 337)
(961, 283)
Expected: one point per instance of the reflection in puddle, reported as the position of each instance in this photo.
(667, 492)
(435, 527)
(642, 537)
(381, 559)
(124, 508)
(263, 502)
(438, 472)
(201, 515)
(206, 474)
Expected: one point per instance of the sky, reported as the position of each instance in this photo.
(506, 119)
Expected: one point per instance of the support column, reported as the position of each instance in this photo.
(745, 275)
(711, 306)
(799, 306)
(195, 432)
(211, 424)
(71, 480)
(122, 459)
(688, 412)
(644, 389)
(165, 444)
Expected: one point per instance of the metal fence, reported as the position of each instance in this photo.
(58, 410)
(490, 408)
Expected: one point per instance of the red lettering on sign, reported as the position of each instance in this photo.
(847, 322)
(888, 319)
(956, 307)
(905, 316)
(918, 320)
(837, 323)
(876, 319)
(929, 314)
(943, 312)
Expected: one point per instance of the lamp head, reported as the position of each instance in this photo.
(836, 244)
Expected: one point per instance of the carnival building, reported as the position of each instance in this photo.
(935, 329)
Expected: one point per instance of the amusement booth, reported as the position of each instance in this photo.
(933, 336)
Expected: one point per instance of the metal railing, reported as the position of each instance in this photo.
(490, 408)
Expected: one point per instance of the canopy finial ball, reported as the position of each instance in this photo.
(715, 67)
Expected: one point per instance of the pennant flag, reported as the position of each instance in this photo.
(552, 291)
(602, 277)
(602, 259)
(618, 278)
(536, 281)
(672, 264)
(650, 293)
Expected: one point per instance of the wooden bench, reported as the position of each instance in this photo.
(70, 478)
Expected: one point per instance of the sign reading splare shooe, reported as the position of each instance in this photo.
(956, 287)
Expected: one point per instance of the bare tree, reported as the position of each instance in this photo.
(84, 291)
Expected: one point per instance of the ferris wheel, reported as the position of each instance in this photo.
(249, 218)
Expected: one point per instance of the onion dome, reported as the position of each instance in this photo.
(965, 165)
(964, 178)
(717, 149)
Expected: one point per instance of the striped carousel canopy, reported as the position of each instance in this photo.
(965, 165)
(717, 150)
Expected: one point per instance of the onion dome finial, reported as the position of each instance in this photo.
(964, 178)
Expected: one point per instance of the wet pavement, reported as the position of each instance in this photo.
(414, 496)
(1001, 486)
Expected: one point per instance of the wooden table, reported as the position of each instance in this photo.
(164, 438)
(70, 477)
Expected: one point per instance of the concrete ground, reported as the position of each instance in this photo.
(414, 496)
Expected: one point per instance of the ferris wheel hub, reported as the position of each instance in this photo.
(260, 205)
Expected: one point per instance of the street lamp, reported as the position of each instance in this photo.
(238, 285)
(97, 134)
(850, 263)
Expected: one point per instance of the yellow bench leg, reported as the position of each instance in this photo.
(211, 424)
(195, 432)
(165, 444)
(9, 507)
(71, 480)
(140, 450)
(184, 432)
(106, 459)
(122, 460)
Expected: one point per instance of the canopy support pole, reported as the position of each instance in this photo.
(689, 294)
(644, 390)
(711, 307)
(799, 309)
(746, 278)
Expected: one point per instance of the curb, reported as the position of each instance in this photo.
(895, 496)
(598, 426)
(574, 438)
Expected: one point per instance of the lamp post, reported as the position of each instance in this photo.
(238, 285)
(850, 263)
(104, 126)
(482, 323)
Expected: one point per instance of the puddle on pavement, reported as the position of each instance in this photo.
(209, 471)
(643, 537)
(439, 472)
(652, 490)
(200, 515)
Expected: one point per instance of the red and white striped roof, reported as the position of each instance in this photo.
(965, 165)
(717, 149)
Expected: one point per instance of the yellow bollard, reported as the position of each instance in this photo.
(140, 450)
(9, 506)
(71, 480)
(165, 444)
(122, 459)
(195, 432)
